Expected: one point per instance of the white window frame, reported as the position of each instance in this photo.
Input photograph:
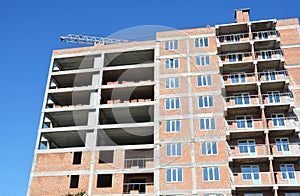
(253, 194)
(202, 61)
(247, 145)
(233, 38)
(236, 57)
(207, 101)
(209, 148)
(269, 74)
(174, 125)
(172, 83)
(171, 45)
(201, 42)
(282, 145)
(287, 172)
(207, 122)
(172, 101)
(206, 80)
(175, 171)
(172, 63)
(246, 118)
(271, 96)
(252, 173)
(174, 150)
(243, 97)
(209, 170)
(239, 77)
(277, 117)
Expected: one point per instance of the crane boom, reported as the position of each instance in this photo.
(85, 39)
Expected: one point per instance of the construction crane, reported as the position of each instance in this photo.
(85, 39)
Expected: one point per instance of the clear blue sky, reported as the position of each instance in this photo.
(31, 29)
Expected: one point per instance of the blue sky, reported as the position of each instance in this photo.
(30, 30)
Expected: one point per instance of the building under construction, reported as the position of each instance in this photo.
(203, 111)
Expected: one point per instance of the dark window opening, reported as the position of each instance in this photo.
(106, 156)
(74, 181)
(77, 157)
(104, 180)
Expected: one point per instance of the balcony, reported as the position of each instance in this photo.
(236, 62)
(252, 180)
(269, 59)
(273, 80)
(138, 188)
(242, 104)
(138, 159)
(285, 149)
(288, 180)
(244, 126)
(266, 40)
(246, 152)
(240, 82)
(233, 42)
(277, 102)
(281, 123)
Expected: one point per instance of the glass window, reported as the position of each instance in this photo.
(173, 150)
(173, 125)
(171, 45)
(172, 83)
(270, 75)
(172, 103)
(246, 146)
(278, 120)
(203, 60)
(242, 99)
(171, 63)
(233, 38)
(238, 78)
(250, 172)
(287, 171)
(174, 175)
(207, 124)
(266, 54)
(235, 57)
(253, 194)
(201, 42)
(244, 122)
(210, 173)
(209, 148)
(282, 144)
(205, 101)
(274, 97)
(204, 80)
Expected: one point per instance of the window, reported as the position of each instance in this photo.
(210, 173)
(282, 144)
(238, 78)
(253, 194)
(209, 148)
(233, 38)
(201, 42)
(203, 60)
(278, 120)
(172, 82)
(287, 171)
(242, 99)
(173, 150)
(207, 124)
(205, 101)
(235, 57)
(262, 35)
(266, 54)
(246, 146)
(172, 103)
(106, 156)
(171, 45)
(173, 125)
(274, 97)
(270, 75)
(174, 175)
(104, 180)
(250, 172)
(292, 194)
(74, 181)
(171, 63)
(77, 158)
(204, 80)
(244, 122)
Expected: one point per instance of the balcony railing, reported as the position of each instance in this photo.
(138, 188)
(240, 125)
(265, 35)
(139, 163)
(242, 100)
(288, 178)
(282, 123)
(255, 150)
(270, 76)
(269, 54)
(239, 78)
(285, 149)
(253, 179)
(277, 98)
(233, 38)
(235, 57)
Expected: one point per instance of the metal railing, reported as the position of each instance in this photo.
(233, 38)
(277, 98)
(286, 149)
(237, 125)
(138, 187)
(242, 100)
(288, 178)
(252, 179)
(281, 122)
(273, 75)
(138, 162)
(269, 54)
(239, 78)
(265, 35)
(235, 57)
